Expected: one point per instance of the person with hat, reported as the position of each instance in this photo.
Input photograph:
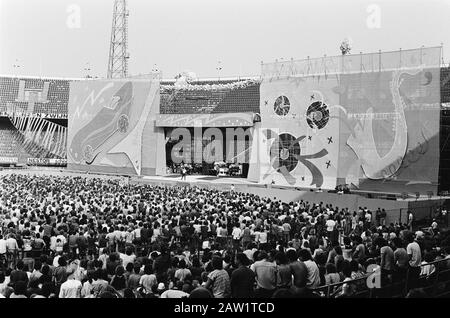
(161, 288)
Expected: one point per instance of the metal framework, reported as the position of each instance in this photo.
(118, 55)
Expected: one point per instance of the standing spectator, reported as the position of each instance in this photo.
(118, 281)
(20, 289)
(410, 220)
(284, 278)
(3, 249)
(183, 172)
(162, 264)
(12, 249)
(128, 257)
(415, 259)
(401, 260)
(378, 217)
(19, 274)
(86, 289)
(383, 217)
(73, 242)
(182, 272)
(36, 274)
(360, 252)
(299, 272)
(148, 280)
(330, 224)
(236, 234)
(312, 274)
(135, 277)
(60, 273)
(331, 277)
(71, 288)
(387, 260)
(242, 278)
(266, 276)
(286, 231)
(218, 279)
(99, 282)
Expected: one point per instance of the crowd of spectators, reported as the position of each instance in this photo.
(87, 237)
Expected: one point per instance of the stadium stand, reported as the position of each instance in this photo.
(445, 86)
(10, 145)
(34, 95)
(201, 101)
(444, 138)
(38, 150)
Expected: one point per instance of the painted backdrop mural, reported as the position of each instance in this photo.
(112, 126)
(370, 121)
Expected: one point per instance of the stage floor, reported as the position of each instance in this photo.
(200, 179)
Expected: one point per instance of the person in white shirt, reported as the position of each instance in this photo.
(128, 257)
(137, 233)
(174, 293)
(62, 238)
(71, 288)
(415, 259)
(2, 247)
(330, 224)
(250, 251)
(14, 219)
(236, 234)
(262, 238)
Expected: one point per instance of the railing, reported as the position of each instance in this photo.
(435, 285)
(13, 168)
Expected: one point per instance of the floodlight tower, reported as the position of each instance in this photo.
(118, 55)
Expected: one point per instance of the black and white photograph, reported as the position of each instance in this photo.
(224, 154)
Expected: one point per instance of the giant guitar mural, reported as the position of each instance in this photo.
(345, 120)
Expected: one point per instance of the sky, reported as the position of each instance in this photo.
(63, 38)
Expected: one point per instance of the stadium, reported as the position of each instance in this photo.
(38, 129)
(363, 134)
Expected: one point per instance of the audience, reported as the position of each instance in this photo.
(75, 237)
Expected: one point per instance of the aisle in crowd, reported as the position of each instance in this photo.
(75, 237)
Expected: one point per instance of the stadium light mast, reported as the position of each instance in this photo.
(118, 55)
(87, 68)
(218, 69)
(16, 66)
